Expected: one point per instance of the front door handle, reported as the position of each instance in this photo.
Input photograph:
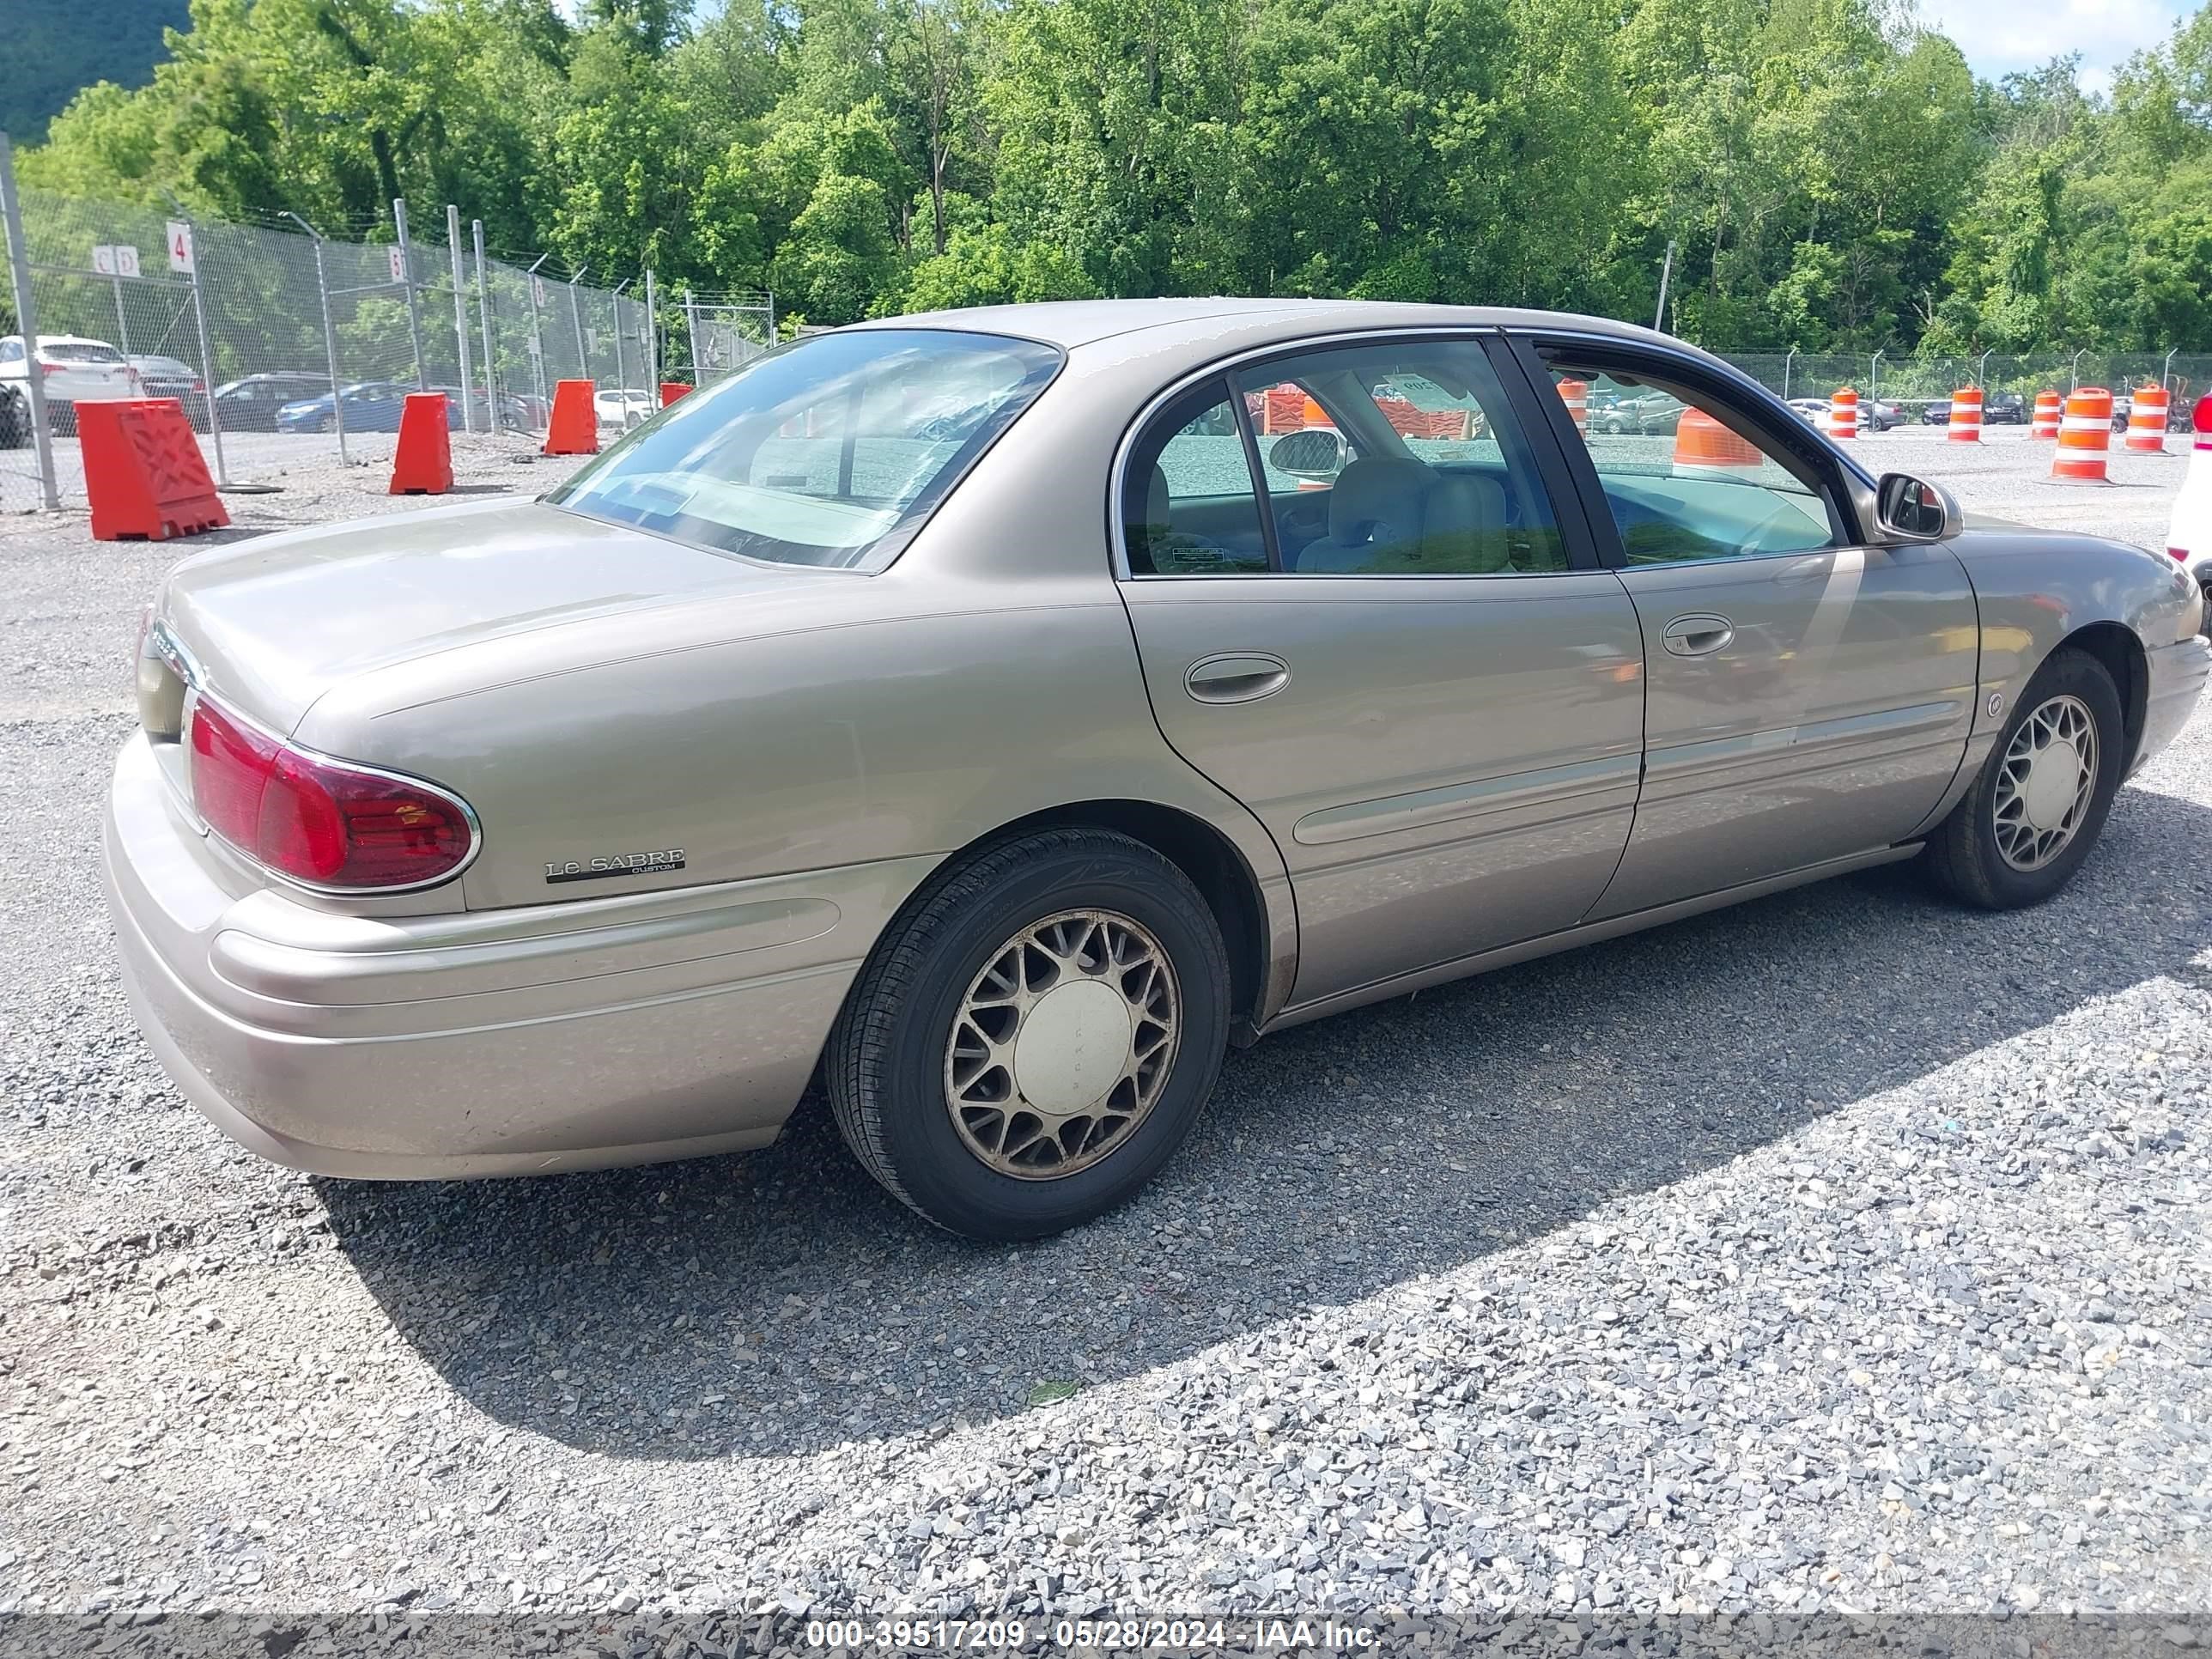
(1698, 636)
(1245, 678)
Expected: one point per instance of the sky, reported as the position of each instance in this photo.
(2000, 36)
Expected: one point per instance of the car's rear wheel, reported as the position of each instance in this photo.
(1034, 1035)
(2042, 796)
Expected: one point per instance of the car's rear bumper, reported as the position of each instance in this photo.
(612, 1031)
(2178, 673)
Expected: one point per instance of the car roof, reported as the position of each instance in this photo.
(1070, 323)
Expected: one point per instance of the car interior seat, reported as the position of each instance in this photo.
(1374, 515)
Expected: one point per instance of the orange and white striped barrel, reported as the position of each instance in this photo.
(1965, 415)
(1576, 395)
(2085, 435)
(1844, 413)
(2046, 415)
(2147, 420)
(1703, 446)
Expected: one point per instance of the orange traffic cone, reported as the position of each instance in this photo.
(423, 462)
(2085, 435)
(1576, 395)
(1965, 415)
(574, 428)
(1703, 446)
(2147, 420)
(1844, 413)
(2046, 415)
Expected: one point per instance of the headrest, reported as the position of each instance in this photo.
(1378, 499)
(1463, 525)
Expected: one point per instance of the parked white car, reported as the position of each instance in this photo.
(73, 369)
(625, 407)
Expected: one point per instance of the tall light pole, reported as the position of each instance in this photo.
(1666, 275)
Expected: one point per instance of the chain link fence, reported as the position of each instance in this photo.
(252, 327)
(1932, 380)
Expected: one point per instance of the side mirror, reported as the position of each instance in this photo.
(1910, 509)
(1314, 452)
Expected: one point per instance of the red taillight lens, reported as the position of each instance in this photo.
(315, 820)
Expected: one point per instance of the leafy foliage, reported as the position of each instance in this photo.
(1831, 177)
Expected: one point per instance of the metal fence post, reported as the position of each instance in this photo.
(330, 337)
(622, 374)
(460, 312)
(771, 318)
(484, 321)
(207, 358)
(407, 281)
(576, 321)
(692, 333)
(651, 341)
(530, 279)
(27, 319)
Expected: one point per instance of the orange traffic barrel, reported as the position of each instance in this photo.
(1844, 413)
(1576, 395)
(2085, 434)
(2046, 415)
(1965, 415)
(1702, 444)
(2147, 420)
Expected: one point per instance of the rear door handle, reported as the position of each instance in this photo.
(1698, 635)
(1243, 678)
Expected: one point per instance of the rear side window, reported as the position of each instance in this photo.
(1385, 458)
(75, 352)
(831, 451)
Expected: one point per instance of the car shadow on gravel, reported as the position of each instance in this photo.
(780, 1303)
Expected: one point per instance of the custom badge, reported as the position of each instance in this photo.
(618, 864)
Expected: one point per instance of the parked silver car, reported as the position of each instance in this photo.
(1000, 713)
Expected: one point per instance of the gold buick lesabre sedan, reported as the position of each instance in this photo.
(1003, 712)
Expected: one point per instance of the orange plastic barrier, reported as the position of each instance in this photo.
(422, 463)
(143, 472)
(2046, 415)
(671, 391)
(2085, 434)
(1965, 415)
(1576, 395)
(2147, 420)
(1844, 413)
(574, 428)
(1702, 444)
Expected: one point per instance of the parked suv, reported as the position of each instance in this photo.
(73, 370)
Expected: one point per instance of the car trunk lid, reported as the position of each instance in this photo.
(273, 623)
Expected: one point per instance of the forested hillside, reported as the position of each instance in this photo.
(1831, 177)
(53, 47)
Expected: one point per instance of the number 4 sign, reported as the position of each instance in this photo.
(180, 247)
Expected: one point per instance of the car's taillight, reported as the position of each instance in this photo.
(320, 821)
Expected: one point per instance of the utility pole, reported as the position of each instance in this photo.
(407, 283)
(1666, 275)
(484, 320)
(460, 311)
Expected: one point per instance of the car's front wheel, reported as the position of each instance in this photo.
(2042, 796)
(1033, 1037)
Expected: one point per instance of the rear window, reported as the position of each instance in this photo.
(831, 450)
(74, 352)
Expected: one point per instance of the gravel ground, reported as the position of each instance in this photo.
(1843, 1252)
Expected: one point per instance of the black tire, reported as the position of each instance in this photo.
(885, 1063)
(14, 420)
(1962, 857)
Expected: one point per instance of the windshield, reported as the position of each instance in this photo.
(830, 451)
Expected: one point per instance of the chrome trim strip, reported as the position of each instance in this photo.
(1465, 800)
(174, 651)
(1682, 760)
